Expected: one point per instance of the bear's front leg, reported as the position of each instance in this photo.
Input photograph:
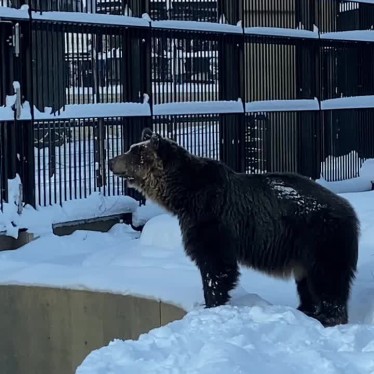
(213, 248)
(218, 281)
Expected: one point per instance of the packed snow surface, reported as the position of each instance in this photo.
(248, 339)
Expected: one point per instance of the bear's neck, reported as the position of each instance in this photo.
(172, 189)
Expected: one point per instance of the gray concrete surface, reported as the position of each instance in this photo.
(8, 242)
(51, 331)
(102, 224)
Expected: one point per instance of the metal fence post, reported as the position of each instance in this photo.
(138, 46)
(137, 87)
(231, 82)
(25, 129)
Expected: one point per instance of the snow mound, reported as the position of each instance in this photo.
(145, 212)
(229, 339)
(162, 231)
(333, 165)
(367, 169)
(358, 184)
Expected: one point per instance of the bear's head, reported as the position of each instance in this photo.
(145, 163)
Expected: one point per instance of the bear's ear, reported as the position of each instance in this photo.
(147, 134)
(155, 140)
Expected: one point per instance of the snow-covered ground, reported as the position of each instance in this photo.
(259, 332)
(257, 339)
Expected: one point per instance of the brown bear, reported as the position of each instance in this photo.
(283, 224)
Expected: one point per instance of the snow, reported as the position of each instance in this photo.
(6, 112)
(282, 105)
(39, 221)
(96, 110)
(358, 177)
(143, 109)
(362, 1)
(12, 13)
(358, 184)
(353, 102)
(154, 232)
(304, 205)
(281, 32)
(354, 35)
(198, 107)
(342, 168)
(251, 339)
(197, 26)
(145, 212)
(11, 210)
(89, 18)
(367, 169)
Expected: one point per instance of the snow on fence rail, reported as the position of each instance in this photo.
(202, 107)
(354, 102)
(11, 13)
(354, 35)
(104, 110)
(281, 32)
(199, 26)
(282, 105)
(89, 18)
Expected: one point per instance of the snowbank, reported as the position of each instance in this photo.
(365, 174)
(359, 184)
(162, 231)
(240, 340)
(40, 220)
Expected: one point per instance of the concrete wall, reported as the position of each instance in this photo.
(8, 242)
(51, 331)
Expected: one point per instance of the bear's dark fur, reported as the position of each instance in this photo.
(279, 223)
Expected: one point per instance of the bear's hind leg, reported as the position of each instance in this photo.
(333, 292)
(332, 271)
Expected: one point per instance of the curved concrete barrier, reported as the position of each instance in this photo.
(50, 331)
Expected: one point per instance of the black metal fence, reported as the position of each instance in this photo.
(259, 84)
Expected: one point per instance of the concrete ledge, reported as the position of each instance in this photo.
(102, 224)
(9, 243)
(51, 331)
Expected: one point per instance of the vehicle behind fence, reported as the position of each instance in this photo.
(263, 85)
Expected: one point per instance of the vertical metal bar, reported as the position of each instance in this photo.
(91, 162)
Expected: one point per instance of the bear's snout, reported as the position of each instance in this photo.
(114, 165)
(121, 166)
